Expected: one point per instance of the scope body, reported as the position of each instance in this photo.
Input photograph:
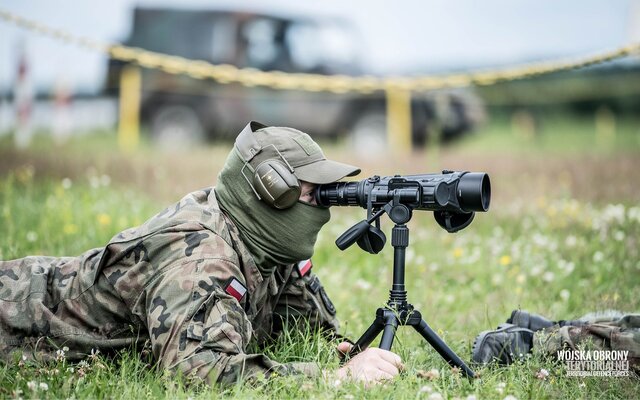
(456, 191)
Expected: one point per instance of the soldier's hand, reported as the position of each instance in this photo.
(371, 366)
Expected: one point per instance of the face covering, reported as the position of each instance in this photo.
(273, 237)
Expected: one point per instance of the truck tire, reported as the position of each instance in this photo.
(176, 126)
(368, 134)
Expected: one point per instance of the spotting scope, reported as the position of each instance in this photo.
(461, 192)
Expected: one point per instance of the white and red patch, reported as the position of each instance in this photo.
(304, 267)
(236, 289)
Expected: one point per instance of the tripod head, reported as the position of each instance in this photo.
(454, 197)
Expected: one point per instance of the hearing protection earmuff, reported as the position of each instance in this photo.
(273, 180)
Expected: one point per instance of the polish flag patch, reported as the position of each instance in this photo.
(304, 267)
(236, 289)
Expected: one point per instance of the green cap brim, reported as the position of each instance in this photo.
(325, 171)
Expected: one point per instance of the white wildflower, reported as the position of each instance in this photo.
(535, 271)
(94, 354)
(510, 397)
(548, 276)
(569, 267)
(426, 389)
(66, 183)
(32, 385)
(542, 374)
(32, 236)
(540, 240)
(471, 397)
(105, 180)
(619, 236)
(571, 241)
(564, 295)
(598, 256)
(614, 212)
(94, 181)
(43, 386)
(435, 396)
(362, 284)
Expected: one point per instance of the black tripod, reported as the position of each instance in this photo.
(398, 311)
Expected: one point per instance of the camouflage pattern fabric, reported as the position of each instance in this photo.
(162, 282)
(597, 333)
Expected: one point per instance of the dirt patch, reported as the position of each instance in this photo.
(600, 178)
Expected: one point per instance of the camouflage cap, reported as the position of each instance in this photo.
(298, 149)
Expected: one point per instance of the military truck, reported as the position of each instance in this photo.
(179, 109)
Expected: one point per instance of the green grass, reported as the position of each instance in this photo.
(561, 239)
(526, 133)
(557, 256)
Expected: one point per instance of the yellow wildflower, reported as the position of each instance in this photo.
(70, 229)
(505, 260)
(457, 252)
(104, 219)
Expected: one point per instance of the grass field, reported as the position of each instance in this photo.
(561, 239)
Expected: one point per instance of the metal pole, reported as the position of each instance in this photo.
(129, 122)
(399, 119)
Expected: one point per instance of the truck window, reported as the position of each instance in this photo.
(263, 46)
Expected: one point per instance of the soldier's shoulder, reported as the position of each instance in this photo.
(196, 210)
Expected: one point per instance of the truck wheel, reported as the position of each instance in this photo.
(176, 126)
(369, 133)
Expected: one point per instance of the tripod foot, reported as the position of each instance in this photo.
(441, 347)
(367, 337)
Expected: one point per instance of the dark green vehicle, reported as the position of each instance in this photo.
(180, 109)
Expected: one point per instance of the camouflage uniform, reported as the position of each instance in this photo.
(163, 282)
(619, 332)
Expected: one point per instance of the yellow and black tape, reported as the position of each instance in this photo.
(224, 73)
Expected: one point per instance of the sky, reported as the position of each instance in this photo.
(397, 37)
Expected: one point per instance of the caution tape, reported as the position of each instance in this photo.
(224, 73)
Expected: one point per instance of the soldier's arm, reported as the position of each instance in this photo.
(197, 328)
(304, 300)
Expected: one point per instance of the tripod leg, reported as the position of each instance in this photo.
(366, 338)
(442, 348)
(390, 325)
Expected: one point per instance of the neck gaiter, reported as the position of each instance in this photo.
(273, 237)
